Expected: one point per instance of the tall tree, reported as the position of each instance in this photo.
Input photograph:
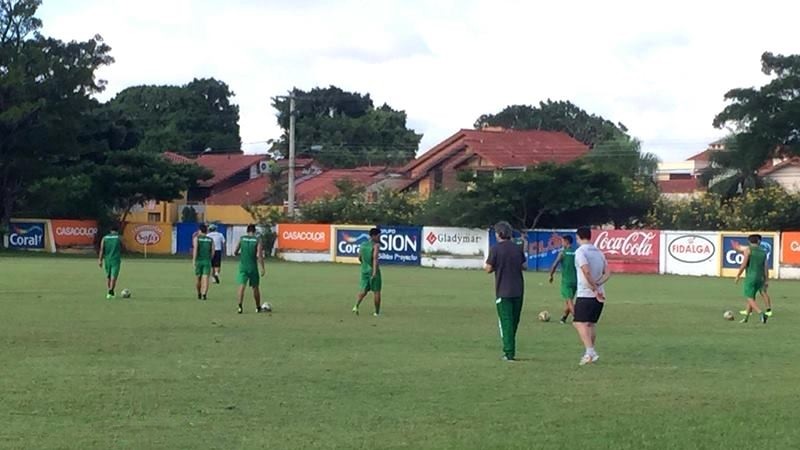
(45, 93)
(563, 116)
(186, 119)
(344, 129)
(624, 156)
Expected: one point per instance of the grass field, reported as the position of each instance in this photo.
(165, 371)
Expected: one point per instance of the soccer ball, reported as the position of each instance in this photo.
(126, 293)
(544, 316)
(727, 315)
(266, 307)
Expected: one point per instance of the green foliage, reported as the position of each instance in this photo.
(344, 129)
(277, 192)
(705, 212)
(556, 116)
(186, 119)
(623, 156)
(351, 205)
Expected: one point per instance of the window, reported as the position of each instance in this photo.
(154, 217)
(438, 177)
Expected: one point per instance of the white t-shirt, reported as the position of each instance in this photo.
(219, 240)
(589, 254)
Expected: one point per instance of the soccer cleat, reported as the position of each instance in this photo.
(216, 279)
(745, 319)
(199, 297)
(768, 313)
(588, 359)
(744, 312)
(507, 358)
(355, 310)
(109, 296)
(205, 297)
(595, 357)
(376, 314)
(763, 317)
(240, 310)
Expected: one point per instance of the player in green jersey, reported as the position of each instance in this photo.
(764, 291)
(370, 271)
(202, 251)
(569, 276)
(755, 263)
(251, 257)
(110, 258)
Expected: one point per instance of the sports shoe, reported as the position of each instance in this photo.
(376, 314)
(768, 313)
(586, 359)
(744, 312)
(216, 279)
(507, 358)
(355, 310)
(109, 296)
(199, 297)
(763, 317)
(240, 310)
(595, 357)
(205, 297)
(745, 319)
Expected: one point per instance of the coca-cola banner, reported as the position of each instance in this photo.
(690, 253)
(629, 251)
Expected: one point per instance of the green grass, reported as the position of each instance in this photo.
(164, 371)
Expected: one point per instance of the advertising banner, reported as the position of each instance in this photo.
(790, 253)
(27, 235)
(455, 242)
(74, 233)
(347, 240)
(234, 234)
(544, 247)
(691, 253)
(304, 237)
(629, 251)
(148, 238)
(400, 245)
(732, 259)
(185, 235)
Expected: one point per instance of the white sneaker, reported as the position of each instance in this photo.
(595, 357)
(586, 359)
(376, 314)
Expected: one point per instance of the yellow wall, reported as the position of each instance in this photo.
(161, 208)
(229, 214)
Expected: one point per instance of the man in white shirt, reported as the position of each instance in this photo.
(593, 272)
(219, 249)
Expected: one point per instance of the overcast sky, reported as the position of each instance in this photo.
(660, 68)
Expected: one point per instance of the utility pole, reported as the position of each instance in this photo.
(291, 153)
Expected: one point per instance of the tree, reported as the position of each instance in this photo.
(351, 205)
(45, 94)
(186, 119)
(344, 129)
(556, 116)
(624, 157)
(278, 186)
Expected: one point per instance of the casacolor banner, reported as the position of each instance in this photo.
(631, 251)
(790, 254)
(74, 233)
(446, 241)
(691, 253)
(304, 237)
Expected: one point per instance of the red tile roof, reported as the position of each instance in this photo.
(251, 191)
(682, 186)
(324, 184)
(705, 155)
(770, 168)
(226, 166)
(178, 159)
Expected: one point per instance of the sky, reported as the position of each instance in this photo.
(660, 68)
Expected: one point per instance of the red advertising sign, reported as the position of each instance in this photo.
(74, 233)
(632, 251)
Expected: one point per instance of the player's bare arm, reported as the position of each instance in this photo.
(194, 250)
(605, 276)
(375, 251)
(488, 268)
(742, 268)
(102, 252)
(555, 265)
(260, 252)
(588, 275)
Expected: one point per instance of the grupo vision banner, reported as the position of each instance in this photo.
(544, 247)
(304, 237)
(74, 234)
(400, 245)
(147, 238)
(732, 259)
(691, 253)
(629, 251)
(27, 235)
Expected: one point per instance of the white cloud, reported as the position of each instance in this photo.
(661, 69)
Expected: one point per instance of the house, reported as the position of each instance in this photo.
(487, 152)
(324, 184)
(786, 173)
(682, 179)
(254, 190)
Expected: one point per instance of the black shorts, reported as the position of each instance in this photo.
(216, 260)
(587, 309)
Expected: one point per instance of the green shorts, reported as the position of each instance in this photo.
(751, 288)
(112, 269)
(202, 268)
(568, 291)
(248, 277)
(371, 284)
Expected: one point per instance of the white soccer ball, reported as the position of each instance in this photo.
(727, 315)
(544, 316)
(266, 306)
(126, 293)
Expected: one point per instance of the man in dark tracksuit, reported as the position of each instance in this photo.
(508, 262)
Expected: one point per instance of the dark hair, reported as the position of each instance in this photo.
(115, 227)
(251, 228)
(374, 232)
(584, 233)
(567, 238)
(504, 230)
(203, 228)
(754, 238)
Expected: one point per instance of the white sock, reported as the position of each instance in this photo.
(590, 351)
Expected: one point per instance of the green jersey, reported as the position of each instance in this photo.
(365, 252)
(112, 247)
(248, 254)
(757, 264)
(205, 248)
(568, 273)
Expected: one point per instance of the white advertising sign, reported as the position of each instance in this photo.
(447, 241)
(691, 253)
